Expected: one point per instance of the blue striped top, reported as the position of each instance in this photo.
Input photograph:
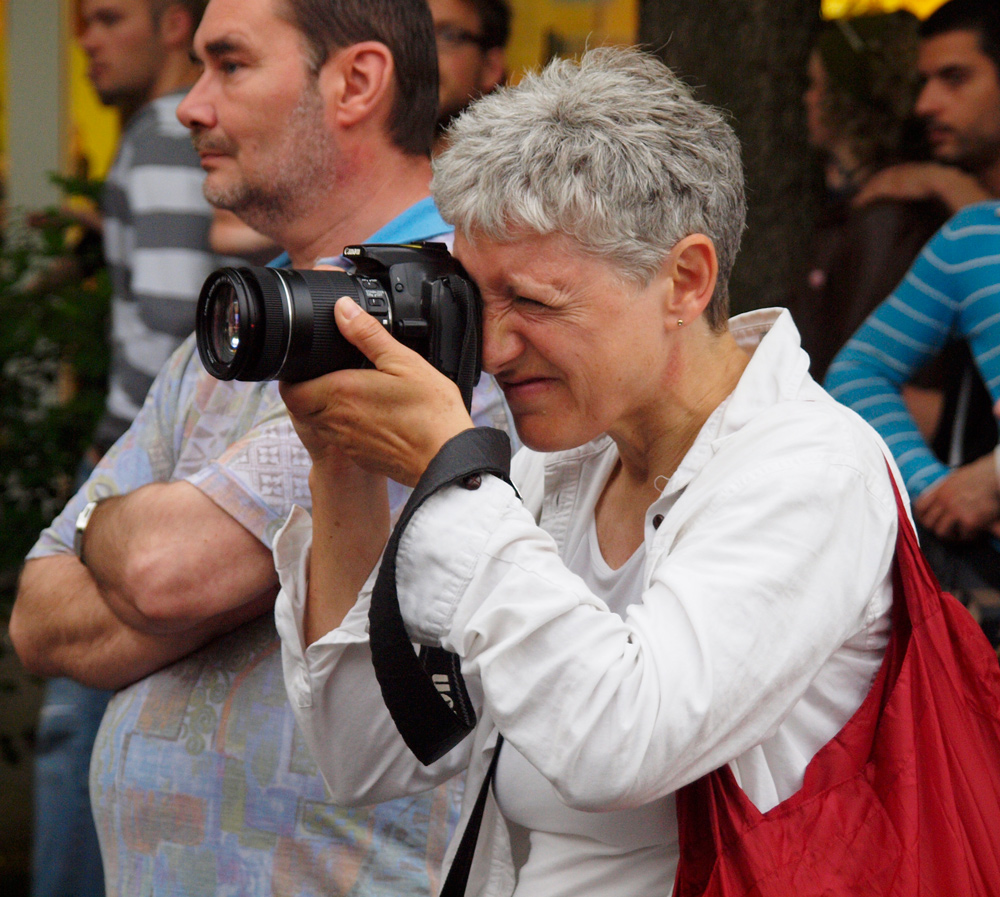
(952, 290)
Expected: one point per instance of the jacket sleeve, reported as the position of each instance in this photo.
(336, 699)
(331, 684)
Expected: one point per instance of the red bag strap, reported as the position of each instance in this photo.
(912, 574)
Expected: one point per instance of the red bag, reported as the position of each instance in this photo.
(904, 801)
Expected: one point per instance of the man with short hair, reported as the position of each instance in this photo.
(155, 225)
(313, 120)
(472, 38)
(959, 62)
(155, 217)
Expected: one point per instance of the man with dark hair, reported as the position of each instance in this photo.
(327, 26)
(155, 225)
(976, 16)
(200, 781)
(472, 38)
(959, 61)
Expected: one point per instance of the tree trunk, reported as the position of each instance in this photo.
(749, 57)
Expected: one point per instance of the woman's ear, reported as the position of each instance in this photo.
(357, 81)
(692, 267)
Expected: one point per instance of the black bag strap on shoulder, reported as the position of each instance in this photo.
(426, 695)
(458, 875)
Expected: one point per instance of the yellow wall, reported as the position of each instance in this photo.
(93, 130)
(567, 27)
(838, 9)
(541, 28)
(538, 26)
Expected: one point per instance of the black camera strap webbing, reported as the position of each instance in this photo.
(461, 865)
(426, 695)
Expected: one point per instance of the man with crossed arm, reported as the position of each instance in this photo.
(314, 121)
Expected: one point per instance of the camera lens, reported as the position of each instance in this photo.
(257, 324)
(232, 310)
(225, 328)
(278, 324)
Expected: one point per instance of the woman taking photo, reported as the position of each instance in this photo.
(695, 569)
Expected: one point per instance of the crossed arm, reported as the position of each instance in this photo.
(924, 180)
(167, 571)
(170, 565)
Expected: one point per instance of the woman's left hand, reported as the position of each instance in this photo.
(391, 420)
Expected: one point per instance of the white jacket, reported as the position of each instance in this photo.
(763, 620)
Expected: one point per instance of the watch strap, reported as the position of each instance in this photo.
(82, 519)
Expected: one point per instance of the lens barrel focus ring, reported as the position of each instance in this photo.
(276, 326)
(316, 345)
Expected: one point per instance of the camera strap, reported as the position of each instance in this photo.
(426, 695)
(461, 864)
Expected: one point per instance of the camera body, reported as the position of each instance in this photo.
(277, 323)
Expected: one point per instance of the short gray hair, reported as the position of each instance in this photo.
(613, 151)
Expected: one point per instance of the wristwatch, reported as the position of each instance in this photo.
(83, 518)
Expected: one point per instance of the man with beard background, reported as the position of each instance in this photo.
(471, 38)
(959, 62)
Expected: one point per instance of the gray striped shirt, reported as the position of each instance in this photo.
(156, 224)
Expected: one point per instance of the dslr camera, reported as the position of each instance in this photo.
(277, 323)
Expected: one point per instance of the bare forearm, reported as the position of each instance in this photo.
(958, 190)
(924, 180)
(61, 626)
(166, 557)
(350, 528)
